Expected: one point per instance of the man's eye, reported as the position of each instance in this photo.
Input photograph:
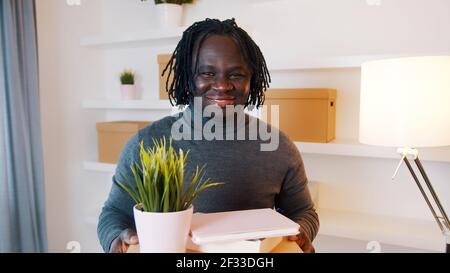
(207, 74)
(237, 76)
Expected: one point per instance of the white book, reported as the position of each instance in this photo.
(264, 245)
(240, 226)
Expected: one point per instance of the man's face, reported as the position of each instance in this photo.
(223, 77)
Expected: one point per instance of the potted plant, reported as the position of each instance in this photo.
(169, 12)
(163, 212)
(128, 88)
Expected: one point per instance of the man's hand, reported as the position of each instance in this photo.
(126, 238)
(303, 242)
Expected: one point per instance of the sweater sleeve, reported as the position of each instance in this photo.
(294, 199)
(117, 212)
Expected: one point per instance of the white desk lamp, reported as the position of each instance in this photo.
(405, 103)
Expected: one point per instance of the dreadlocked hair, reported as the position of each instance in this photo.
(180, 89)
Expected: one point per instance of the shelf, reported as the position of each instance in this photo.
(347, 148)
(321, 63)
(128, 104)
(354, 61)
(338, 147)
(413, 233)
(147, 37)
(354, 148)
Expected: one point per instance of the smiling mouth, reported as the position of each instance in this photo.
(222, 102)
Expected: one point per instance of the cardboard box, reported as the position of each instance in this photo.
(112, 137)
(306, 114)
(163, 59)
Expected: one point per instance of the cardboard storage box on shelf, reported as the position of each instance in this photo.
(163, 59)
(306, 114)
(112, 137)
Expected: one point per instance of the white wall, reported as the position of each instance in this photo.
(351, 27)
(287, 31)
(68, 73)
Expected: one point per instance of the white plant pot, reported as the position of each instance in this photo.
(168, 15)
(163, 232)
(128, 91)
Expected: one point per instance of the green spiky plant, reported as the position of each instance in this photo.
(127, 77)
(158, 179)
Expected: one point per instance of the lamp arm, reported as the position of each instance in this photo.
(405, 152)
(444, 217)
(442, 226)
(442, 221)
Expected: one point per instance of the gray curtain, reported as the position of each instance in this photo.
(22, 211)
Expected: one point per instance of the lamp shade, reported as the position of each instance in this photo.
(405, 102)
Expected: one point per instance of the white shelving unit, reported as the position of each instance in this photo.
(354, 148)
(325, 63)
(413, 233)
(128, 105)
(391, 230)
(151, 37)
(162, 36)
(337, 147)
(354, 61)
(138, 38)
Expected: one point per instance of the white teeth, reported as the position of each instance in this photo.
(222, 100)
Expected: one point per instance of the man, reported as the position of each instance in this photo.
(220, 65)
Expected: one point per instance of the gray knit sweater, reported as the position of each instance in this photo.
(253, 178)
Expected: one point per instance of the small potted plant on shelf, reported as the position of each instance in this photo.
(169, 12)
(128, 87)
(163, 212)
